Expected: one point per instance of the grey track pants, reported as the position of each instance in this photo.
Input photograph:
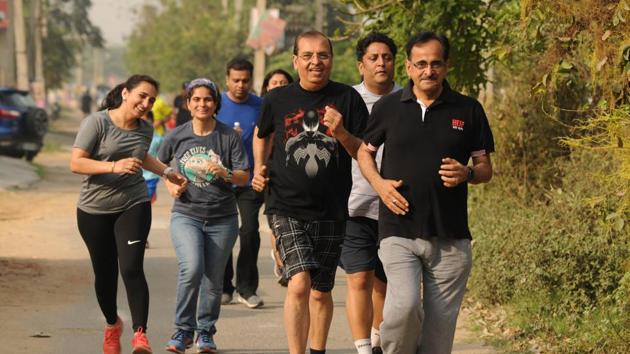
(415, 324)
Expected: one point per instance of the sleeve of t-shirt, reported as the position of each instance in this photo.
(265, 120)
(88, 135)
(165, 151)
(238, 155)
(482, 139)
(375, 131)
(358, 115)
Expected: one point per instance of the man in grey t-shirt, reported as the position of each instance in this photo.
(375, 61)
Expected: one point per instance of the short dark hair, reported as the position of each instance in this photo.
(263, 89)
(239, 64)
(374, 37)
(426, 36)
(310, 34)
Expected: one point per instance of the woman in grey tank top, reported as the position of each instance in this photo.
(114, 213)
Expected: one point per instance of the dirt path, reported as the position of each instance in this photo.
(46, 296)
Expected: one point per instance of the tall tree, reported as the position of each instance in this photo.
(69, 30)
(469, 24)
(184, 40)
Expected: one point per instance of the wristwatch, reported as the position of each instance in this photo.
(228, 177)
(471, 174)
(167, 170)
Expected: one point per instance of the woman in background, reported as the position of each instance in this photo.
(273, 79)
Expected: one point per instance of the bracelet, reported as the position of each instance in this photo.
(471, 174)
(167, 170)
(113, 166)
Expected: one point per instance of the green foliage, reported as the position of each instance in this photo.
(608, 133)
(69, 31)
(558, 263)
(186, 40)
(553, 244)
(469, 25)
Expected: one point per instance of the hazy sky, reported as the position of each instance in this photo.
(115, 18)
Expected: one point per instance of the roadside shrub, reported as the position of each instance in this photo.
(560, 265)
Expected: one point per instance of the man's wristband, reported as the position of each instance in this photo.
(471, 174)
(113, 166)
(167, 170)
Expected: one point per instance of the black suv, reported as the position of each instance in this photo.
(22, 124)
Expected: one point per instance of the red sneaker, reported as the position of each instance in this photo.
(111, 344)
(140, 343)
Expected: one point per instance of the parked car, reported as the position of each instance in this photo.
(22, 124)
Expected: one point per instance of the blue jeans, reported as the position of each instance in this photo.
(202, 248)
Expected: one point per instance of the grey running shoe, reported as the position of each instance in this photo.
(252, 302)
(205, 343)
(226, 299)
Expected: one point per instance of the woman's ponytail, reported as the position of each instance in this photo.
(113, 98)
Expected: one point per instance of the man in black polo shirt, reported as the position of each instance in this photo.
(312, 125)
(430, 133)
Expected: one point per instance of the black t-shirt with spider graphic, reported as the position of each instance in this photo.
(309, 172)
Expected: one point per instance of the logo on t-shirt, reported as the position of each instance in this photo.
(194, 165)
(458, 124)
(308, 142)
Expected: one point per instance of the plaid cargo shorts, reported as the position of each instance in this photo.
(313, 246)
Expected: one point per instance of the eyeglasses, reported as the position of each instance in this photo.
(434, 65)
(201, 82)
(308, 56)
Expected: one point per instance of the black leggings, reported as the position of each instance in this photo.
(114, 239)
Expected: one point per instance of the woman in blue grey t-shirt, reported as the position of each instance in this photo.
(204, 220)
(114, 213)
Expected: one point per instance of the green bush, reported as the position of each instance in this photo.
(560, 265)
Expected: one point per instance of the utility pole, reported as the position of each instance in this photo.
(259, 55)
(319, 15)
(238, 11)
(98, 54)
(21, 60)
(39, 84)
(224, 5)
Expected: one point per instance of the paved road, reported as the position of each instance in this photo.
(48, 303)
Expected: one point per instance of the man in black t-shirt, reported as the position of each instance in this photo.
(312, 126)
(182, 113)
(430, 133)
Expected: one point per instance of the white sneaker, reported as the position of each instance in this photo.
(252, 302)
